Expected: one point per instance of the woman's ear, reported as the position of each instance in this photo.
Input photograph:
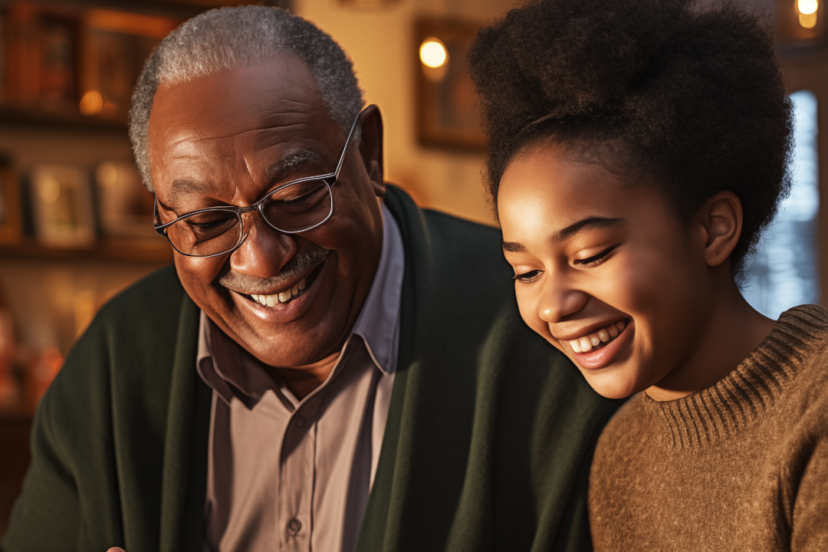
(721, 220)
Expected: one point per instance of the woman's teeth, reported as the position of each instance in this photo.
(597, 339)
(284, 297)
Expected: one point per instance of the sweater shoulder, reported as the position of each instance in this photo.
(626, 432)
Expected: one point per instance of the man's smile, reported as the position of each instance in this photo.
(287, 293)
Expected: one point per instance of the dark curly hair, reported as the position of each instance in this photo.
(691, 98)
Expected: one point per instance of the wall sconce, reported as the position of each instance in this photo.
(434, 58)
(807, 11)
(799, 23)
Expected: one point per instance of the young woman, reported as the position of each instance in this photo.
(638, 149)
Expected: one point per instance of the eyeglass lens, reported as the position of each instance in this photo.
(293, 208)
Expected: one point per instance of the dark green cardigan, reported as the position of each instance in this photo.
(489, 436)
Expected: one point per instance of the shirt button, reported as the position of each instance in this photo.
(300, 422)
(294, 526)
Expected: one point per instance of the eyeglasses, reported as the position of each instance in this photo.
(298, 206)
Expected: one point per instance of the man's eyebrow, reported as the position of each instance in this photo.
(186, 186)
(568, 232)
(285, 166)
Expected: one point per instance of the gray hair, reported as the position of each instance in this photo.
(227, 38)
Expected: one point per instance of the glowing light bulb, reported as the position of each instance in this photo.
(91, 103)
(807, 7)
(433, 53)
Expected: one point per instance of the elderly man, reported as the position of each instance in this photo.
(327, 367)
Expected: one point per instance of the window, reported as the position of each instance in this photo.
(785, 270)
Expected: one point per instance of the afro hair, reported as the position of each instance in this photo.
(692, 98)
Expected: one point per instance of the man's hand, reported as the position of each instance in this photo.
(116, 549)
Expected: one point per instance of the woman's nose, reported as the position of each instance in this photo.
(560, 300)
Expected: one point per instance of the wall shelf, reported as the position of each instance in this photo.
(54, 118)
(137, 251)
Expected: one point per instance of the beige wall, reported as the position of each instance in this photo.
(380, 43)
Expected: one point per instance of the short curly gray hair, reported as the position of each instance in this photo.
(227, 38)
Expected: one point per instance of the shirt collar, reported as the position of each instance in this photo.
(377, 324)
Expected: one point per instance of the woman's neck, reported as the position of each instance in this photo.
(733, 330)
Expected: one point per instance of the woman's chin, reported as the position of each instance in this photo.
(612, 383)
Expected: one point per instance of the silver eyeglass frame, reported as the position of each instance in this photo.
(329, 179)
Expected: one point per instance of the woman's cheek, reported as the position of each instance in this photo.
(528, 307)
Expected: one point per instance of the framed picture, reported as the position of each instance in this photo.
(10, 220)
(115, 47)
(61, 198)
(124, 204)
(448, 113)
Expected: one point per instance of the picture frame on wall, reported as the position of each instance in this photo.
(11, 228)
(61, 199)
(125, 206)
(448, 111)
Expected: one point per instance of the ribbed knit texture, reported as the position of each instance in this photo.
(742, 465)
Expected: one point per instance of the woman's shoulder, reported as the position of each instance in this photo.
(628, 428)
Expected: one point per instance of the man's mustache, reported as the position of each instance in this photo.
(250, 285)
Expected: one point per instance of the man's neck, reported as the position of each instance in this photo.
(303, 380)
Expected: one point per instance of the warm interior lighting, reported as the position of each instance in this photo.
(433, 53)
(807, 7)
(808, 21)
(91, 103)
(107, 174)
(49, 190)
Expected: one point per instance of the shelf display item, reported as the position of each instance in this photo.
(41, 58)
(124, 204)
(10, 224)
(62, 206)
(116, 44)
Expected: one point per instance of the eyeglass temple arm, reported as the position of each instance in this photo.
(345, 149)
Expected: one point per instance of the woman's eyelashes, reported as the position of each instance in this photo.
(527, 277)
(532, 275)
(596, 259)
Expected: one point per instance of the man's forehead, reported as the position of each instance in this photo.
(278, 94)
(261, 119)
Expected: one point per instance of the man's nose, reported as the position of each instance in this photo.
(560, 299)
(264, 251)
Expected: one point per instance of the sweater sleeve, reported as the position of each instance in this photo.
(810, 514)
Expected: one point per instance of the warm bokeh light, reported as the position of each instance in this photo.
(107, 174)
(808, 21)
(433, 53)
(91, 103)
(49, 190)
(807, 7)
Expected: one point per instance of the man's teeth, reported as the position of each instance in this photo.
(604, 335)
(284, 297)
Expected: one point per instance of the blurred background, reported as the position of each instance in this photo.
(75, 219)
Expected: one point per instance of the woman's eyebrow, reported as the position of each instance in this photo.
(569, 231)
(583, 224)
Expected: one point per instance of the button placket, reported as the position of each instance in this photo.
(297, 477)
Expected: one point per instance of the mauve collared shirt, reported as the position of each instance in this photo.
(294, 475)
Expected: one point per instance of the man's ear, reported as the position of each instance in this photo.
(370, 146)
(721, 219)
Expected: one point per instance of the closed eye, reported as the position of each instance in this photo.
(527, 277)
(595, 259)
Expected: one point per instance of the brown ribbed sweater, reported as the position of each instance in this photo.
(742, 465)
